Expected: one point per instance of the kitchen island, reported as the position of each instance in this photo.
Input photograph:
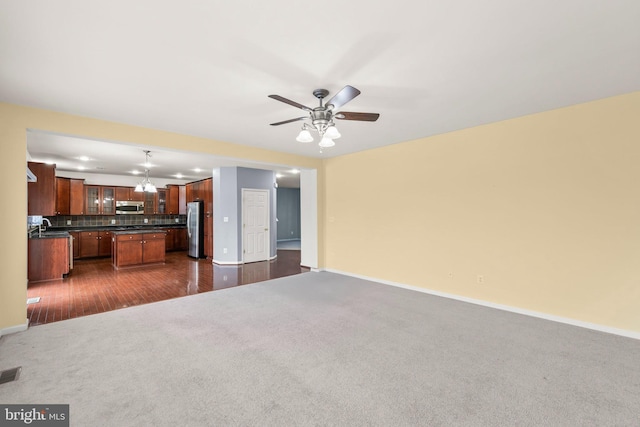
(131, 248)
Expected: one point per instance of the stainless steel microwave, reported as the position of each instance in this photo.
(129, 208)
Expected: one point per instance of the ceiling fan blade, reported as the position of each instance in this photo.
(290, 102)
(364, 117)
(345, 95)
(289, 121)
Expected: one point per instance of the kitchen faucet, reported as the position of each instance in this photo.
(41, 228)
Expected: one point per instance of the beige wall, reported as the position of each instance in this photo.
(15, 120)
(546, 208)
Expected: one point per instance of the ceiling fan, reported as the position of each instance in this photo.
(322, 116)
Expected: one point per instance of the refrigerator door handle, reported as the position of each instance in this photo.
(189, 222)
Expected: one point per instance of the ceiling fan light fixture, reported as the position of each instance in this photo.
(332, 132)
(326, 142)
(304, 136)
(322, 116)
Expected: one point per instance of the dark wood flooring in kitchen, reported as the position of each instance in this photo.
(94, 286)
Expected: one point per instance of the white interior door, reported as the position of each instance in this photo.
(255, 225)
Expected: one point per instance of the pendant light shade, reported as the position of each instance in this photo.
(332, 132)
(326, 142)
(304, 136)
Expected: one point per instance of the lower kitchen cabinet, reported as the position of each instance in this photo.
(88, 244)
(94, 244)
(138, 249)
(176, 239)
(48, 259)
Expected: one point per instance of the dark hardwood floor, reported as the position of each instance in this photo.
(94, 286)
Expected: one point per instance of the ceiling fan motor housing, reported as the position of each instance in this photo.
(321, 118)
(320, 93)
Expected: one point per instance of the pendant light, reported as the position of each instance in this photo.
(146, 185)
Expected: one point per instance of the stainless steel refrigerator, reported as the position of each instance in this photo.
(195, 228)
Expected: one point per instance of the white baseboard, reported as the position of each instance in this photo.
(540, 315)
(238, 262)
(215, 261)
(13, 329)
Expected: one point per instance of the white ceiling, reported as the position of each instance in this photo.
(205, 68)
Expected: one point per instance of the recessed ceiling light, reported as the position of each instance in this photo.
(279, 175)
(135, 172)
(178, 175)
(83, 158)
(49, 162)
(81, 168)
(295, 171)
(197, 170)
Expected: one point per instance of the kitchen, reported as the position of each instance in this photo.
(92, 219)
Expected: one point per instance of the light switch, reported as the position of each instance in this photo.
(225, 219)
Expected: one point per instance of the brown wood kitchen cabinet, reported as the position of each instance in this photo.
(156, 203)
(42, 194)
(48, 258)
(69, 196)
(94, 243)
(63, 196)
(203, 190)
(176, 239)
(173, 199)
(76, 196)
(162, 201)
(125, 194)
(130, 249)
(99, 200)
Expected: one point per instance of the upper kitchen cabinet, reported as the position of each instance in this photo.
(76, 197)
(156, 203)
(42, 193)
(99, 200)
(69, 196)
(63, 194)
(176, 200)
(125, 194)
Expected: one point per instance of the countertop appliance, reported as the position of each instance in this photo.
(195, 228)
(129, 207)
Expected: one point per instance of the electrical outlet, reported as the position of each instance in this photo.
(177, 219)
(480, 279)
(146, 220)
(224, 251)
(113, 221)
(68, 222)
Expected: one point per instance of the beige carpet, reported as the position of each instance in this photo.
(324, 349)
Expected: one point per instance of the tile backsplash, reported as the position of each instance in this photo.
(120, 220)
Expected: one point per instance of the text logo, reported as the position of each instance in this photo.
(34, 415)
